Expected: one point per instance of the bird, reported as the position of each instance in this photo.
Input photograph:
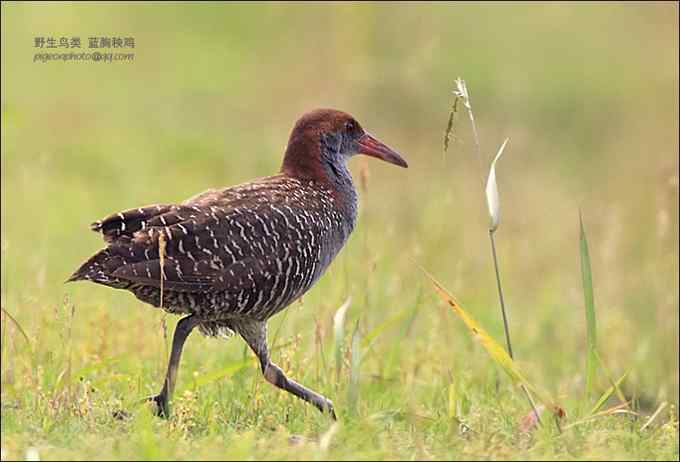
(229, 259)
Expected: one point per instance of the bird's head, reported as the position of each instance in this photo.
(326, 138)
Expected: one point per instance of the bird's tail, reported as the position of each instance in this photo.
(99, 268)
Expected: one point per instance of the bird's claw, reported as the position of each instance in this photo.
(160, 406)
(329, 409)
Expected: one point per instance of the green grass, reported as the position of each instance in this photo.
(589, 302)
(587, 93)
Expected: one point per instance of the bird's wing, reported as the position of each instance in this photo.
(238, 238)
(123, 225)
(207, 247)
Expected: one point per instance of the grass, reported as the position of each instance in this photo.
(589, 303)
(588, 94)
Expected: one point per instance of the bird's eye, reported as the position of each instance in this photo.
(350, 126)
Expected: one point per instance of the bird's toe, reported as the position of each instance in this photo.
(160, 406)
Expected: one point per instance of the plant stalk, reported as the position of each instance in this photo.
(505, 325)
(500, 294)
(462, 92)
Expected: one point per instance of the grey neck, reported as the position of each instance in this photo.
(334, 163)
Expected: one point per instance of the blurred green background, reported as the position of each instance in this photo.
(587, 94)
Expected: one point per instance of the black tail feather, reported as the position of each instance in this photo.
(126, 223)
(99, 268)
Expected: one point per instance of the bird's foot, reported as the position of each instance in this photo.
(328, 409)
(160, 406)
(121, 414)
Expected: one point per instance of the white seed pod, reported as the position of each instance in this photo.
(492, 199)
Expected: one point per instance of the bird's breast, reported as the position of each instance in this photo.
(288, 241)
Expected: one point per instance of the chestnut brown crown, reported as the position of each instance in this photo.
(329, 136)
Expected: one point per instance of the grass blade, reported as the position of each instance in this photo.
(615, 385)
(339, 334)
(618, 409)
(368, 339)
(591, 324)
(354, 368)
(608, 393)
(494, 349)
(453, 408)
(18, 326)
(654, 416)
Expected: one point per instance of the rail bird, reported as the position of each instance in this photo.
(229, 259)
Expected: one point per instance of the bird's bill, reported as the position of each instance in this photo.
(370, 146)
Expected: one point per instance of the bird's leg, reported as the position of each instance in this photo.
(255, 334)
(276, 376)
(182, 331)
